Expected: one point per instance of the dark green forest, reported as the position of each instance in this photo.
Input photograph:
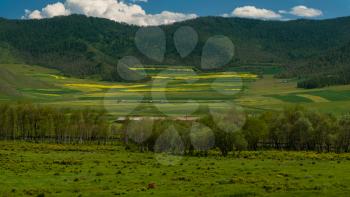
(331, 68)
(315, 51)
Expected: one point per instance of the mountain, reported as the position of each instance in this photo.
(85, 46)
(76, 45)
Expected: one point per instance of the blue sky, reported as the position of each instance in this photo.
(329, 8)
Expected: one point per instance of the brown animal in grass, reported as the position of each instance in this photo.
(151, 186)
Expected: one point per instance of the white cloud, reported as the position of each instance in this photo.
(111, 9)
(136, 1)
(51, 10)
(261, 13)
(283, 12)
(254, 12)
(167, 17)
(36, 14)
(304, 11)
(57, 9)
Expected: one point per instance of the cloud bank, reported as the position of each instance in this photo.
(142, 1)
(266, 14)
(131, 13)
(254, 12)
(305, 11)
(115, 10)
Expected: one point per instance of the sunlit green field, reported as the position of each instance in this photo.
(104, 170)
(28, 169)
(273, 94)
(173, 90)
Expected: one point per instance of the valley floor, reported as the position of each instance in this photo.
(174, 90)
(29, 169)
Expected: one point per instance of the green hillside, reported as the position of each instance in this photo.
(329, 69)
(81, 46)
(11, 81)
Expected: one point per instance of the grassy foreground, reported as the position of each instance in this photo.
(28, 169)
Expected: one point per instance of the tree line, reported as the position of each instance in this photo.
(41, 123)
(294, 129)
(85, 46)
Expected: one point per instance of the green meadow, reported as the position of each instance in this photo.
(29, 169)
(270, 93)
(91, 169)
(173, 90)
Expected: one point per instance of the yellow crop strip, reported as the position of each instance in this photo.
(100, 86)
(160, 77)
(233, 89)
(57, 77)
(316, 99)
(159, 90)
(213, 76)
(53, 95)
(167, 69)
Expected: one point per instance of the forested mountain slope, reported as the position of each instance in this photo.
(82, 46)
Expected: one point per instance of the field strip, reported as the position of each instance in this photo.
(316, 99)
(100, 86)
(208, 76)
(165, 68)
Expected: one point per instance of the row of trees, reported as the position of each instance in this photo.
(342, 77)
(41, 123)
(292, 129)
(298, 129)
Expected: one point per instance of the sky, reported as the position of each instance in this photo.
(156, 12)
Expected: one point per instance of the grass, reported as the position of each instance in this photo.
(270, 93)
(314, 98)
(104, 170)
(171, 86)
(292, 98)
(28, 169)
(100, 86)
(333, 95)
